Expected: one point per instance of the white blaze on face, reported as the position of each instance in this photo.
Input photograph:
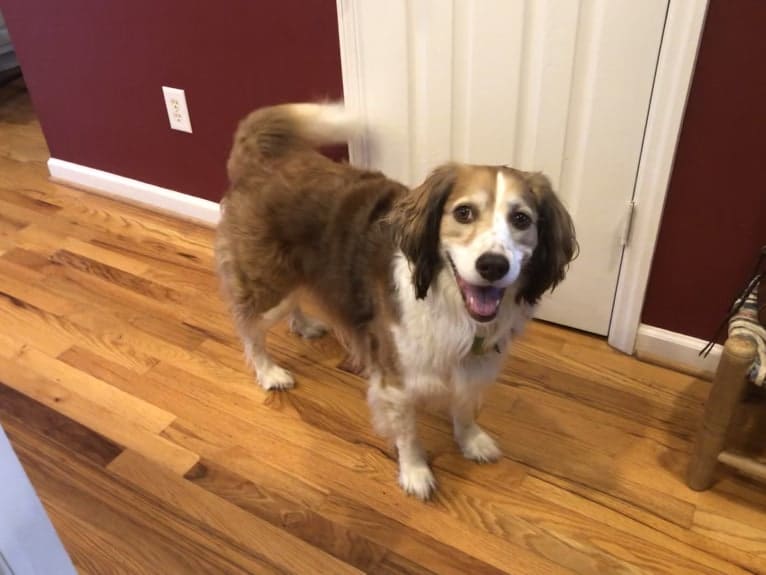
(514, 244)
(491, 232)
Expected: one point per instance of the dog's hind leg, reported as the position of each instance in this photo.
(253, 329)
(306, 326)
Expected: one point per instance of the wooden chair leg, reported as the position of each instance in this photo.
(729, 385)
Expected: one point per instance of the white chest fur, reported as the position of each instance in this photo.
(436, 335)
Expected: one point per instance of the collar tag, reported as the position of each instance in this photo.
(477, 348)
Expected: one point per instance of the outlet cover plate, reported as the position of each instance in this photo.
(178, 111)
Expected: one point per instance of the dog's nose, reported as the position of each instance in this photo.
(492, 266)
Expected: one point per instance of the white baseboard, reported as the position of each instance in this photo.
(135, 191)
(676, 350)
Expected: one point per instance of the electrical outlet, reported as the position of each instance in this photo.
(178, 112)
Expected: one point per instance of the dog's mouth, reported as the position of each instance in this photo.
(481, 302)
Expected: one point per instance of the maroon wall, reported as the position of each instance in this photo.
(715, 217)
(95, 68)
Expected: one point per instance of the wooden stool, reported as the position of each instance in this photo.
(729, 385)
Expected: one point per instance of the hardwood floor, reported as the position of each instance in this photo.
(124, 393)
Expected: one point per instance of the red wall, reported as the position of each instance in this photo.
(95, 68)
(715, 217)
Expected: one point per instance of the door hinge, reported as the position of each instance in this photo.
(628, 223)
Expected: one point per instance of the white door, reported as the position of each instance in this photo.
(561, 86)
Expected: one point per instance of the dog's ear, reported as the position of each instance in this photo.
(556, 242)
(419, 221)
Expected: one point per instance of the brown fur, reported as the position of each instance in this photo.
(478, 178)
(293, 218)
(417, 223)
(556, 241)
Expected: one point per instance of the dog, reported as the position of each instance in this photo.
(426, 287)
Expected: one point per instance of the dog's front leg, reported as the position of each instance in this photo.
(394, 416)
(474, 442)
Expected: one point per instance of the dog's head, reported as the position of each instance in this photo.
(493, 227)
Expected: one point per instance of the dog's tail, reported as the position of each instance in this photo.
(275, 131)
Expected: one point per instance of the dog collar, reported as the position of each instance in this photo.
(477, 348)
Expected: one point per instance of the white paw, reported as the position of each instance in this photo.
(275, 377)
(308, 328)
(479, 446)
(417, 479)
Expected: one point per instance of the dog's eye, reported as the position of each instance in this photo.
(520, 220)
(464, 214)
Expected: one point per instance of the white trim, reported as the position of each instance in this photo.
(675, 350)
(675, 69)
(374, 48)
(353, 84)
(134, 191)
(430, 38)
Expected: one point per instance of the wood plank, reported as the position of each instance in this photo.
(608, 390)
(36, 239)
(120, 404)
(114, 214)
(627, 517)
(143, 330)
(37, 418)
(144, 236)
(239, 528)
(116, 546)
(18, 285)
(29, 324)
(27, 198)
(41, 189)
(116, 276)
(582, 456)
(104, 256)
(109, 525)
(96, 417)
(30, 260)
(53, 334)
(345, 528)
(744, 530)
(100, 289)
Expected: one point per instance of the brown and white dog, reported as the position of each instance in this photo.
(426, 286)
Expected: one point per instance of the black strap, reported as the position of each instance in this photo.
(736, 305)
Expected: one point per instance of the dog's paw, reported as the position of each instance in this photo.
(275, 378)
(307, 327)
(479, 446)
(417, 479)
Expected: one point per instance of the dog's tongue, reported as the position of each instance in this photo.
(482, 301)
